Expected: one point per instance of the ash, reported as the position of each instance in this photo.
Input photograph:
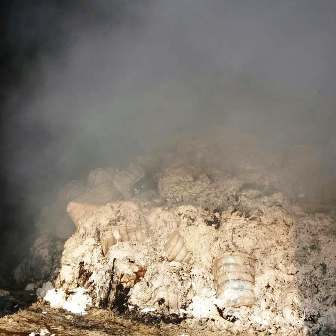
(185, 237)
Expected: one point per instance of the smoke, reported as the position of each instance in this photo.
(105, 81)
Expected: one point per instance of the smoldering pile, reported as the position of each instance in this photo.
(219, 247)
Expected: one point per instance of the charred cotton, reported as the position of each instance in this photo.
(217, 247)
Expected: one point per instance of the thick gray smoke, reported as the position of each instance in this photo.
(140, 78)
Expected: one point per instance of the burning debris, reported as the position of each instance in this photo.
(229, 251)
(221, 234)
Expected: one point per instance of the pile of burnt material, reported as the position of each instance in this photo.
(213, 246)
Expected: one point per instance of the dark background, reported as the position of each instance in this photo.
(31, 31)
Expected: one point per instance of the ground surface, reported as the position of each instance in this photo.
(96, 323)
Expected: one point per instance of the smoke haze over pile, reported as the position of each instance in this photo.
(110, 80)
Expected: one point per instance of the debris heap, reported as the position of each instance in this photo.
(211, 246)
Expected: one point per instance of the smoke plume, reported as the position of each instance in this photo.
(101, 82)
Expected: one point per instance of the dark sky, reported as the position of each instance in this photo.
(83, 83)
